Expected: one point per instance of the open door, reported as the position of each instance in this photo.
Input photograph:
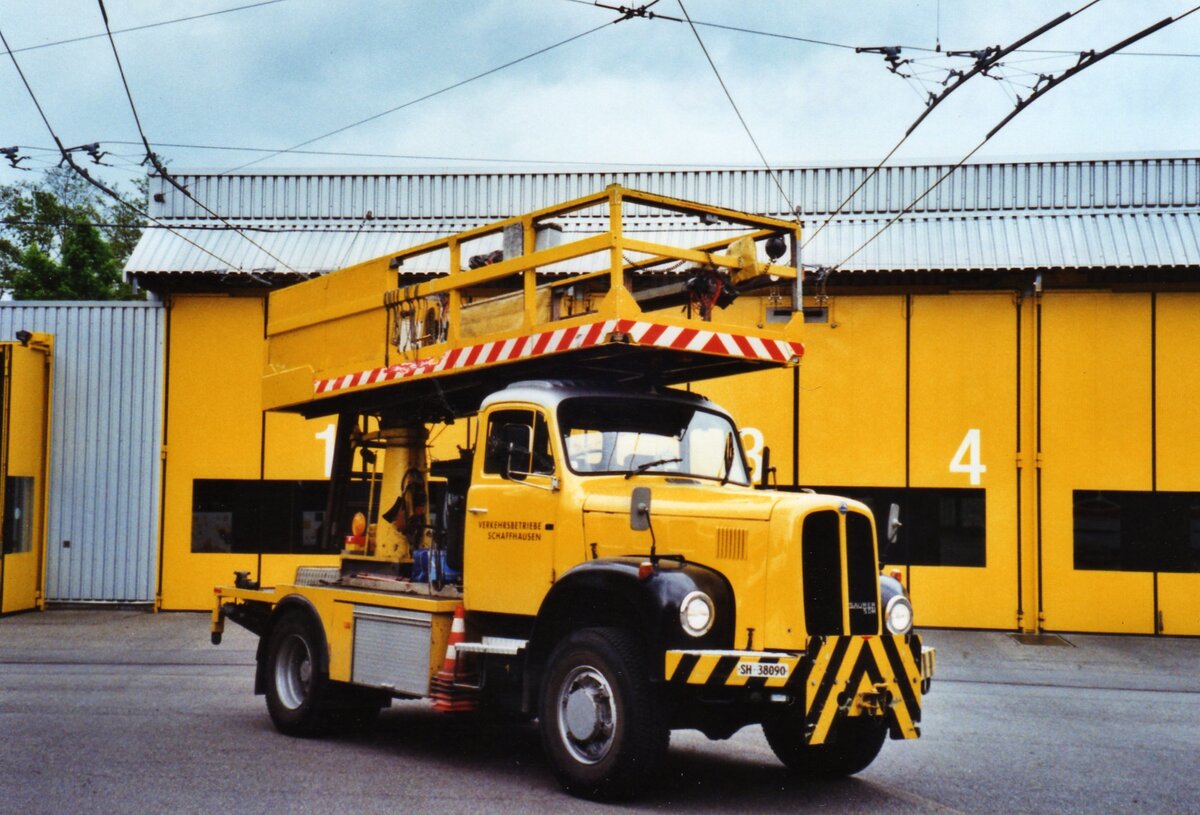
(25, 377)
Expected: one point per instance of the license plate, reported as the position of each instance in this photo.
(763, 670)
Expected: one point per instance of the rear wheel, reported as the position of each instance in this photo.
(297, 690)
(859, 741)
(602, 727)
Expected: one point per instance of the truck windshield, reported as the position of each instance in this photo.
(622, 434)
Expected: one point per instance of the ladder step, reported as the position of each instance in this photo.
(493, 645)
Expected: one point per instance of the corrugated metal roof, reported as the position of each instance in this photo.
(1095, 240)
(1118, 213)
(104, 448)
(1016, 241)
(310, 248)
(986, 187)
(318, 248)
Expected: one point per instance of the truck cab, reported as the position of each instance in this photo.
(552, 488)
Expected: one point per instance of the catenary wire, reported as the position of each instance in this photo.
(354, 239)
(655, 16)
(346, 154)
(425, 97)
(832, 44)
(1089, 59)
(774, 176)
(322, 227)
(147, 25)
(981, 66)
(597, 164)
(83, 173)
(1047, 54)
(1022, 105)
(158, 165)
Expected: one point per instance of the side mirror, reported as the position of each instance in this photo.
(893, 524)
(767, 469)
(518, 441)
(639, 509)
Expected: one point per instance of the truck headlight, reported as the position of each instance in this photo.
(696, 613)
(898, 615)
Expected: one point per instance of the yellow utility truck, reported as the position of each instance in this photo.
(598, 554)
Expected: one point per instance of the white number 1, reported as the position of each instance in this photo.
(329, 436)
(967, 459)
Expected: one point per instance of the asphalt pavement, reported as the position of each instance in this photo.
(126, 711)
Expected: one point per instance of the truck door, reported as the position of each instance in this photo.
(24, 448)
(512, 508)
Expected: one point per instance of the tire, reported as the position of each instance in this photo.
(859, 741)
(298, 693)
(602, 725)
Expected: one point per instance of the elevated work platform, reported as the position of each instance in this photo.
(423, 330)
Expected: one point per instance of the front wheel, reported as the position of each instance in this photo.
(858, 742)
(602, 726)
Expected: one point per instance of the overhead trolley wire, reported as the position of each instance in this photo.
(147, 25)
(774, 175)
(643, 11)
(348, 154)
(987, 58)
(982, 65)
(776, 35)
(69, 160)
(389, 225)
(154, 160)
(848, 46)
(425, 97)
(605, 165)
(1086, 60)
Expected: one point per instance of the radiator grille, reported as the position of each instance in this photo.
(824, 601)
(731, 543)
(822, 551)
(862, 573)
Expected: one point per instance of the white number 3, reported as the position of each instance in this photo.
(967, 459)
(753, 441)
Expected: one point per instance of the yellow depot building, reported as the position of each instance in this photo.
(1008, 364)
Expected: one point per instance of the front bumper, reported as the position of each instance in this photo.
(835, 677)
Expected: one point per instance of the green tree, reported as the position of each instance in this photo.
(60, 241)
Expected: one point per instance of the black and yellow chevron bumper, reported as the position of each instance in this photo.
(881, 676)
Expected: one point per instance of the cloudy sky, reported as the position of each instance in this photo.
(637, 92)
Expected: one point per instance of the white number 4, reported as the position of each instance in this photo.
(966, 460)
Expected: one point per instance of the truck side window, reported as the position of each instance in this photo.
(539, 459)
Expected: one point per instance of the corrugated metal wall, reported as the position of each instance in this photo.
(105, 443)
(986, 187)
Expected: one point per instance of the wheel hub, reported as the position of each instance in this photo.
(583, 714)
(587, 719)
(293, 672)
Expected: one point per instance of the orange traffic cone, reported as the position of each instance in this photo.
(450, 689)
(458, 634)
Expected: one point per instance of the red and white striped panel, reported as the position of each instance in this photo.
(569, 339)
